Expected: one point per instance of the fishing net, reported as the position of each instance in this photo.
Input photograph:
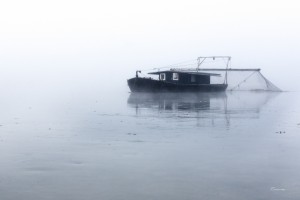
(243, 79)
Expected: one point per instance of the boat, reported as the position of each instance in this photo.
(180, 80)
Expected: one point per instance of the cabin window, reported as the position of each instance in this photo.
(175, 76)
(193, 78)
(162, 76)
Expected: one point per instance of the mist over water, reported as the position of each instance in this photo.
(68, 144)
(70, 129)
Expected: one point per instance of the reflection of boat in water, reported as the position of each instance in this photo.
(174, 101)
(203, 106)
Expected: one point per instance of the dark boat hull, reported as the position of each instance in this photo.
(151, 85)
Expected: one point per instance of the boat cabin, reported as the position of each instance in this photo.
(184, 77)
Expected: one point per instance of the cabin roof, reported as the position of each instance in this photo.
(185, 72)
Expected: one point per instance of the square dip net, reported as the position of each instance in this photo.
(238, 79)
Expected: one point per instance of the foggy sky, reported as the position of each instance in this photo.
(82, 44)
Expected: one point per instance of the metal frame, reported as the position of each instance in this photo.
(202, 59)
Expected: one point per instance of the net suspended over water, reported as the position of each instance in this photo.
(250, 79)
(244, 79)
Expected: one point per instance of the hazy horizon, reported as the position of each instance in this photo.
(81, 42)
(70, 129)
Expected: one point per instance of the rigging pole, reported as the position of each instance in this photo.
(202, 59)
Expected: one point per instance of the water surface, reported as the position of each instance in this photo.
(239, 145)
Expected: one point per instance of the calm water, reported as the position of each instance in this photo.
(239, 145)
